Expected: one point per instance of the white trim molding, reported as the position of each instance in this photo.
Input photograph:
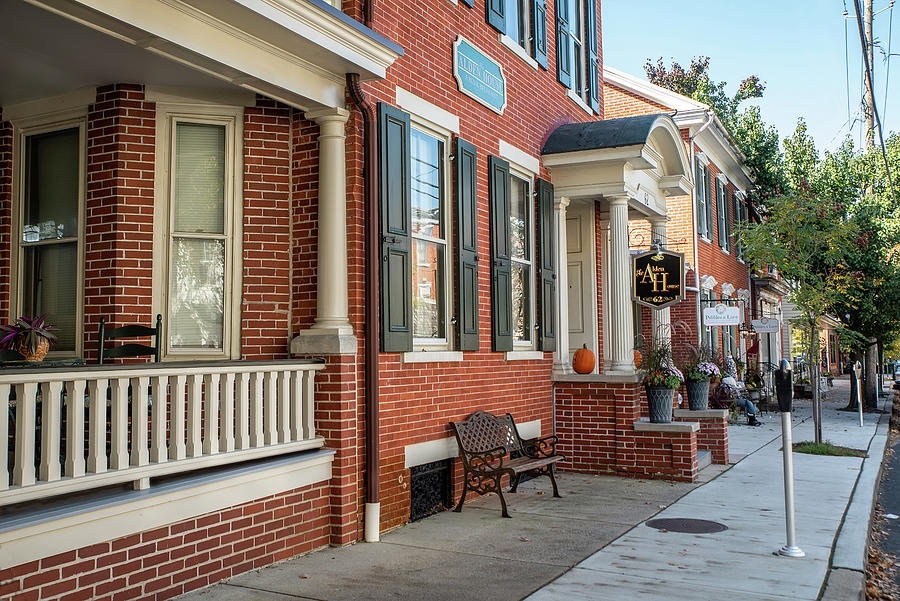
(432, 113)
(520, 158)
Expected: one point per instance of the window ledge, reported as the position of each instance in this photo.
(433, 357)
(705, 239)
(524, 355)
(724, 251)
(579, 101)
(518, 50)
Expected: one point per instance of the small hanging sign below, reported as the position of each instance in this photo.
(657, 278)
(765, 325)
(721, 315)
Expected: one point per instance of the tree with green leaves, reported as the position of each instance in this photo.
(758, 141)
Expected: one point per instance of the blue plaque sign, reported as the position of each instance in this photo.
(478, 76)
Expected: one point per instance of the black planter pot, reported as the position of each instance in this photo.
(659, 399)
(698, 394)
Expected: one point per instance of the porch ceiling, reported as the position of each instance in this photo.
(43, 55)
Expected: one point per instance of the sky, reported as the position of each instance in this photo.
(796, 47)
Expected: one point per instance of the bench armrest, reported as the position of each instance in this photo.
(486, 461)
(540, 447)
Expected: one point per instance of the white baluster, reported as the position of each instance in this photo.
(226, 421)
(97, 426)
(195, 393)
(309, 388)
(270, 413)
(284, 406)
(51, 426)
(296, 405)
(158, 407)
(211, 407)
(140, 455)
(23, 468)
(176, 428)
(4, 436)
(118, 454)
(242, 417)
(256, 409)
(75, 428)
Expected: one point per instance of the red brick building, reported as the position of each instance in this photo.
(353, 224)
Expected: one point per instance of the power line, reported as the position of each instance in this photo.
(887, 77)
(847, 63)
(862, 39)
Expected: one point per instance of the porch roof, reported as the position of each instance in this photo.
(595, 135)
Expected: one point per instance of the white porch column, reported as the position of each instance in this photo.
(331, 333)
(621, 326)
(562, 364)
(661, 324)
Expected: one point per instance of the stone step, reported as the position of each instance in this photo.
(704, 458)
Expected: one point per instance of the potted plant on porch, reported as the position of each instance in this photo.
(698, 374)
(31, 337)
(661, 378)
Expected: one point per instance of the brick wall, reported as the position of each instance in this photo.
(622, 103)
(6, 202)
(266, 300)
(595, 424)
(118, 267)
(184, 556)
(713, 433)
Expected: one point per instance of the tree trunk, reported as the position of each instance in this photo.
(853, 404)
(870, 390)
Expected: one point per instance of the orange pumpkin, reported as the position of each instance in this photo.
(583, 361)
(638, 358)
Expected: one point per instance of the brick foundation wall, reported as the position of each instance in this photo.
(187, 555)
(595, 424)
(713, 433)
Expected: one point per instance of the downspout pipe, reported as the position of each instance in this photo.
(710, 117)
(372, 519)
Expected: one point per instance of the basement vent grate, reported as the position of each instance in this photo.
(429, 489)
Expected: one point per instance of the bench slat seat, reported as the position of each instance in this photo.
(485, 444)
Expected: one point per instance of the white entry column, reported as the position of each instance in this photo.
(561, 362)
(621, 327)
(331, 333)
(661, 319)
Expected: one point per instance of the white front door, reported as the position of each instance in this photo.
(582, 277)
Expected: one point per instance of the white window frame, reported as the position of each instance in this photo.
(434, 130)
(579, 51)
(700, 191)
(35, 125)
(232, 117)
(517, 172)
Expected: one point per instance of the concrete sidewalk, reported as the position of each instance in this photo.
(594, 544)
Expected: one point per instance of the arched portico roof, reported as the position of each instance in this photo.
(590, 159)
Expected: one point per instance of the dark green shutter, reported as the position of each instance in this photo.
(467, 245)
(501, 269)
(495, 14)
(710, 205)
(563, 44)
(593, 66)
(395, 189)
(698, 196)
(539, 11)
(720, 214)
(729, 220)
(547, 258)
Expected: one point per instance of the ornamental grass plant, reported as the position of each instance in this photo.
(659, 368)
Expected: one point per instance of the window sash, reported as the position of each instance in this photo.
(700, 191)
(521, 260)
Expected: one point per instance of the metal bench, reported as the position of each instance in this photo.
(485, 441)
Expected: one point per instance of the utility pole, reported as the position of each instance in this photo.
(868, 16)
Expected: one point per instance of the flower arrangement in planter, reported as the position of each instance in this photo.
(31, 337)
(661, 378)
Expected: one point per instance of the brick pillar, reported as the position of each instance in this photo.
(6, 228)
(118, 272)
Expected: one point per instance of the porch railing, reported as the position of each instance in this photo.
(71, 429)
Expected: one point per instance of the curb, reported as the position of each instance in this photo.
(852, 540)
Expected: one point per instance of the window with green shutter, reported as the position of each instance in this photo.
(467, 245)
(700, 195)
(577, 50)
(710, 204)
(501, 268)
(720, 214)
(547, 262)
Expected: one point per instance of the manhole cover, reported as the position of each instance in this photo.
(691, 526)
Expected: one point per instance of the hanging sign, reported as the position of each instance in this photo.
(721, 315)
(657, 278)
(478, 76)
(765, 325)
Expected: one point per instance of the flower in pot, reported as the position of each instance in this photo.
(697, 383)
(661, 378)
(31, 337)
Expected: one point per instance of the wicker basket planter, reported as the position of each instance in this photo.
(43, 347)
